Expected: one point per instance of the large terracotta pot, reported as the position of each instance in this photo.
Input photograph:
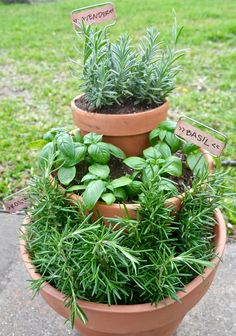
(140, 319)
(121, 210)
(127, 131)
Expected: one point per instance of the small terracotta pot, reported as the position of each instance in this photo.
(140, 319)
(120, 210)
(127, 131)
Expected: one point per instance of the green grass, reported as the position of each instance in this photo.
(36, 83)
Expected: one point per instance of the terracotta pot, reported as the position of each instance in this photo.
(140, 319)
(120, 210)
(127, 131)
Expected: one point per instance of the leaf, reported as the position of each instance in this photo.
(77, 137)
(135, 162)
(164, 149)
(117, 152)
(197, 163)
(162, 134)
(108, 198)
(149, 173)
(172, 141)
(80, 151)
(65, 145)
(120, 194)
(167, 125)
(121, 182)
(153, 135)
(88, 177)
(92, 193)
(99, 152)
(134, 188)
(152, 153)
(46, 158)
(92, 138)
(188, 148)
(36, 145)
(168, 185)
(173, 166)
(102, 171)
(66, 174)
(76, 187)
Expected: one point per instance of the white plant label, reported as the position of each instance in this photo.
(199, 138)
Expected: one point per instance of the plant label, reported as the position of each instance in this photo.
(93, 14)
(16, 204)
(199, 138)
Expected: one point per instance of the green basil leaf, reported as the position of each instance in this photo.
(149, 173)
(77, 137)
(135, 162)
(108, 198)
(92, 138)
(80, 151)
(46, 158)
(134, 188)
(188, 148)
(76, 187)
(168, 185)
(168, 125)
(66, 174)
(99, 152)
(65, 145)
(48, 136)
(164, 149)
(120, 194)
(153, 136)
(117, 152)
(60, 160)
(102, 171)
(92, 193)
(152, 153)
(173, 166)
(89, 177)
(162, 134)
(197, 163)
(121, 182)
(173, 141)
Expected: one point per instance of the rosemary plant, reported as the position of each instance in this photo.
(146, 260)
(114, 72)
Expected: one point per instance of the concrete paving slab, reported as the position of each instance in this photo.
(215, 315)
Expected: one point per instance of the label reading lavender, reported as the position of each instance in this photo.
(94, 15)
(16, 204)
(199, 138)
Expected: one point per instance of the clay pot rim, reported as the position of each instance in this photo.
(219, 240)
(116, 116)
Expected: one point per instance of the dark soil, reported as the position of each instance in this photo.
(118, 169)
(128, 107)
(187, 175)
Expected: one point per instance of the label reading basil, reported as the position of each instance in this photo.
(199, 138)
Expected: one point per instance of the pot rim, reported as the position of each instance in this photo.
(127, 116)
(220, 240)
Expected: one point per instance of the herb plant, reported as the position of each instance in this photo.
(114, 72)
(148, 259)
(81, 163)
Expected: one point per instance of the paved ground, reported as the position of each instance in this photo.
(20, 316)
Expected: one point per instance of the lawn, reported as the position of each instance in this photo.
(37, 83)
